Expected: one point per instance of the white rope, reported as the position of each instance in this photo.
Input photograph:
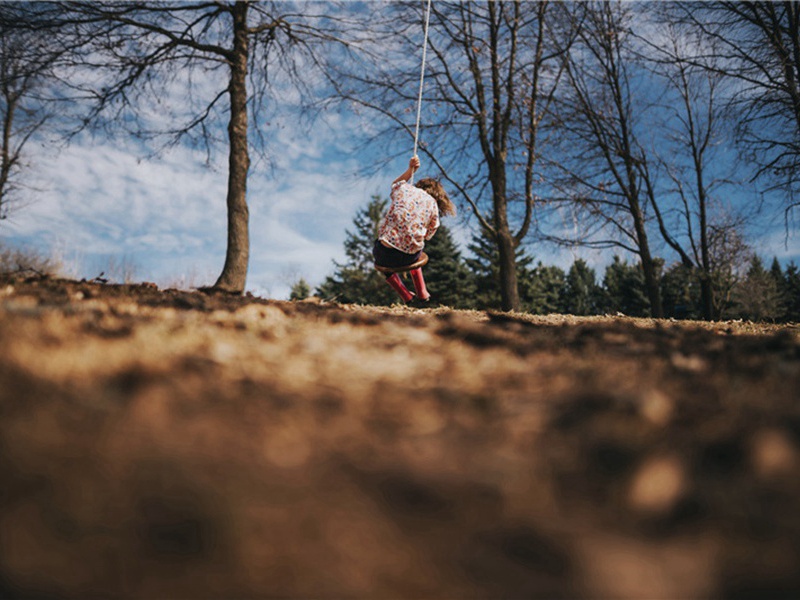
(421, 80)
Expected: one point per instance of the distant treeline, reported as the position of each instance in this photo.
(754, 292)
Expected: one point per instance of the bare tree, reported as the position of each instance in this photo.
(757, 45)
(690, 151)
(609, 177)
(490, 80)
(25, 60)
(221, 60)
(729, 254)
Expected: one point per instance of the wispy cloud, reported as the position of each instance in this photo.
(167, 215)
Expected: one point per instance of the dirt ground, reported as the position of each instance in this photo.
(168, 444)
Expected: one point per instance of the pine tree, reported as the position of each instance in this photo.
(446, 276)
(548, 290)
(781, 293)
(485, 269)
(756, 297)
(625, 289)
(356, 281)
(300, 290)
(582, 294)
(792, 287)
(681, 292)
(485, 272)
(526, 282)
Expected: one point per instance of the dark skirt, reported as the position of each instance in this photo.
(392, 257)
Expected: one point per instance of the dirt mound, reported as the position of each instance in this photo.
(160, 443)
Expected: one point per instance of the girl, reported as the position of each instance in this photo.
(412, 219)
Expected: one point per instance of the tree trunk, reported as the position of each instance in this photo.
(6, 160)
(509, 289)
(707, 297)
(234, 274)
(648, 264)
(706, 289)
(652, 284)
(506, 246)
(506, 250)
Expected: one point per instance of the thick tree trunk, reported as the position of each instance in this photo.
(651, 282)
(234, 274)
(707, 297)
(6, 159)
(506, 248)
(509, 289)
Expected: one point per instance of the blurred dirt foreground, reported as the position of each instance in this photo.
(167, 444)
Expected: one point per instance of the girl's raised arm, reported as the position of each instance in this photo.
(413, 165)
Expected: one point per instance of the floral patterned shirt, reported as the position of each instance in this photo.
(413, 217)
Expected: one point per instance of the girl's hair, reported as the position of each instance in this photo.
(432, 187)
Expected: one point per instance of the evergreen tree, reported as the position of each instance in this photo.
(792, 287)
(756, 296)
(624, 289)
(356, 281)
(526, 280)
(358, 245)
(483, 266)
(582, 294)
(782, 299)
(548, 290)
(446, 276)
(300, 290)
(681, 292)
(485, 269)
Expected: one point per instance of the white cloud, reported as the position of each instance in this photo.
(167, 215)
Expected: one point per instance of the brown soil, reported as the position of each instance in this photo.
(167, 444)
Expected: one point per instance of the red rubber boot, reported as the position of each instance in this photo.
(397, 283)
(419, 284)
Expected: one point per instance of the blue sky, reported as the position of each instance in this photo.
(106, 204)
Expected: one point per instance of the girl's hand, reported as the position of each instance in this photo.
(413, 165)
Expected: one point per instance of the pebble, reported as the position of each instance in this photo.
(691, 363)
(657, 408)
(773, 453)
(658, 485)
